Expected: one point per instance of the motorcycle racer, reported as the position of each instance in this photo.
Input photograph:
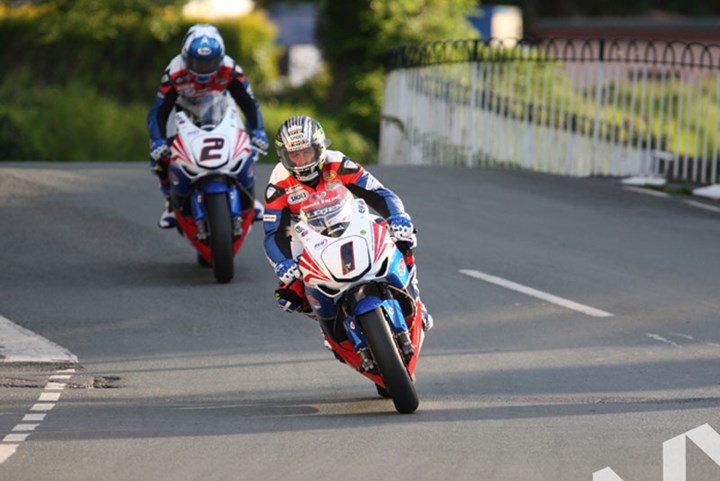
(306, 167)
(200, 68)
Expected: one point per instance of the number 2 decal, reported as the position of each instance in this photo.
(212, 148)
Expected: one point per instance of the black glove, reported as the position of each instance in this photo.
(291, 301)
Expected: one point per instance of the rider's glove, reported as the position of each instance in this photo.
(403, 231)
(158, 150)
(287, 271)
(290, 301)
(260, 140)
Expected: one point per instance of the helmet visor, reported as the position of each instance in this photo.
(301, 158)
(203, 66)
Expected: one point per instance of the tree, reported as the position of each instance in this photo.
(354, 34)
(103, 20)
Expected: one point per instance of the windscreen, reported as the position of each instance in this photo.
(205, 110)
(328, 211)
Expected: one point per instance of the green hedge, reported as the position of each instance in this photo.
(77, 123)
(73, 94)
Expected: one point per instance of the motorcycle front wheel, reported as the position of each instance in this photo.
(398, 383)
(221, 240)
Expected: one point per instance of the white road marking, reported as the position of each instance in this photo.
(49, 396)
(22, 430)
(700, 205)
(7, 450)
(590, 311)
(34, 417)
(22, 345)
(659, 338)
(684, 336)
(25, 427)
(654, 193)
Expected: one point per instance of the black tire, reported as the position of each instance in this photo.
(392, 369)
(221, 240)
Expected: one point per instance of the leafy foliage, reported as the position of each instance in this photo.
(68, 123)
(354, 34)
(106, 20)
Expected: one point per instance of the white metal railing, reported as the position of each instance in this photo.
(574, 107)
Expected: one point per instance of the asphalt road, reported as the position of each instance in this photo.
(184, 379)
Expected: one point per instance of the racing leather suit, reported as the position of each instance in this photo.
(284, 196)
(177, 81)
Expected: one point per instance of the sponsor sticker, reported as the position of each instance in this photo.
(297, 197)
(270, 218)
(321, 244)
(301, 231)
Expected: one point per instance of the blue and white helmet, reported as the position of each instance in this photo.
(203, 50)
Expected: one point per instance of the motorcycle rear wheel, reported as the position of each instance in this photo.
(397, 380)
(221, 240)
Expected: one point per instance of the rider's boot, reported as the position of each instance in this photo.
(259, 211)
(167, 218)
(428, 321)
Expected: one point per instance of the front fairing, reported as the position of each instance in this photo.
(210, 140)
(364, 253)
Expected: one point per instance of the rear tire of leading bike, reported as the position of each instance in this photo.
(221, 240)
(392, 369)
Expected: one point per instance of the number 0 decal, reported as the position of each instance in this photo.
(212, 148)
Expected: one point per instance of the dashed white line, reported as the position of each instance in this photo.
(25, 427)
(34, 417)
(590, 311)
(49, 396)
(31, 421)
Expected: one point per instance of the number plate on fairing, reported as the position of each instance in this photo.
(347, 258)
(211, 152)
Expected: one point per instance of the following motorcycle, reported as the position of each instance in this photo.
(361, 290)
(210, 154)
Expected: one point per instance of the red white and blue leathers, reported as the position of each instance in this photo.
(284, 195)
(178, 81)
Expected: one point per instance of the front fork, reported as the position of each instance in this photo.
(392, 312)
(198, 212)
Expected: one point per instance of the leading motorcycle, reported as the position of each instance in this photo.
(210, 154)
(362, 292)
